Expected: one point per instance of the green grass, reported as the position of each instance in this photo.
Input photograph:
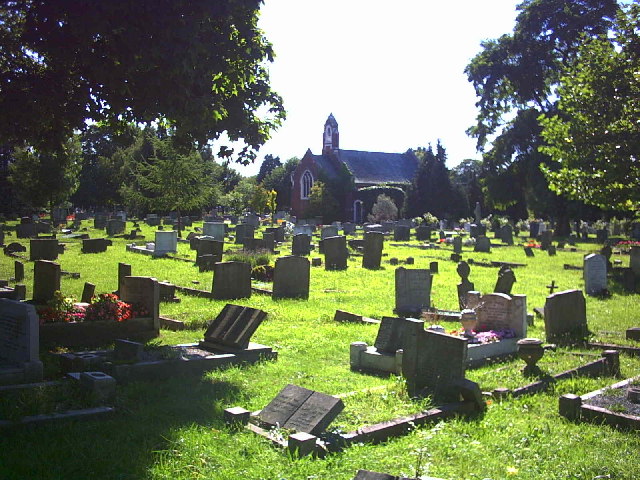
(174, 429)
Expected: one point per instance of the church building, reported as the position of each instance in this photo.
(366, 169)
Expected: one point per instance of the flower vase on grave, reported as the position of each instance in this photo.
(530, 351)
(469, 322)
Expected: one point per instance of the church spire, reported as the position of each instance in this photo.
(330, 136)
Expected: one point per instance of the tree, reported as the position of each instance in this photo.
(383, 210)
(465, 180)
(593, 138)
(196, 67)
(46, 179)
(431, 189)
(165, 179)
(279, 179)
(238, 199)
(515, 77)
(268, 164)
(322, 203)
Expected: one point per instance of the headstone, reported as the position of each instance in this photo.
(143, 291)
(551, 250)
(606, 252)
(231, 280)
(602, 235)
(534, 229)
(401, 233)
(457, 245)
(95, 245)
(433, 362)
(423, 233)
(209, 246)
(166, 242)
(595, 274)
(124, 270)
(369, 475)
(506, 279)
(634, 260)
(635, 231)
(328, 231)
(412, 290)
(303, 230)
(335, 253)
(465, 285)
(115, 226)
(26, 230)
(291, 277)
(348, 228)
(153, 220)
(234, 326)
(507, 234)
(565, 316)
(278, 233)
(18, 269)
(498, 311)
(391, 333)
(88, 292)
(483, 244)
(243, 232)
(545, 239)
(46, 280)
(528, 251)
(301, 245)
(19, 343)
(43, 249)
(372, 251)
(214, 229)
(302, 410)
(100, 221)
(252, 219)
(269, 240)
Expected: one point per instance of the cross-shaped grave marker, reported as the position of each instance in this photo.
(552, 287)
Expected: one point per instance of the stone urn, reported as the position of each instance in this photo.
(530, 350)
(469, 321)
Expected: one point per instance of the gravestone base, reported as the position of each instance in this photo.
(477, 352)
(367, 358)
(251, 354)
(28, 372)
(83, 334)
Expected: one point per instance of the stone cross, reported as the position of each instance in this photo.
(552, 287)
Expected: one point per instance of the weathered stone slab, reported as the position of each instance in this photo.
(412, 290)
(335, 253)
(19, 343)
(595, 274)
(231, 280)
(234, 326)
(391, 333)
(95, 245)
(291, 277)
(43, 249)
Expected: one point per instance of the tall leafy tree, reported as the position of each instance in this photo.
(268, 164)
(44, 179)
(515, 78)
(431, 189)
(594, 138)
(198, 67)
(279, 179)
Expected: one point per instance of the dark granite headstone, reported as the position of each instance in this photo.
(372, 251)
(506, 279)
(301, 244)
(87, 292)
(18, 269)
(528, 251)
(243, 232)
(335, 253)
(401, 233)
(209, 246)
(234, 326)
(457, 245)
(302, 410)
(96, 245)
(565, 316)
(115, 226)
(231, 280)
(423, 233)
(465, 285)
(483, 244)
(412, 290)
(433, 362)
(390, 334)
(291, 277)
(46, 280)
(43, 249)
(19, 343)
(143, 291)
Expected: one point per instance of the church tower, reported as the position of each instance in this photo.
(330, 136)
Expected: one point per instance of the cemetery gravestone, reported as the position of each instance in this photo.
(506, 279)
(602, 235)
(166, 242)
(423, 233)
(18, 271)
(545, 239)
(244, 231)
(634, 260)
(483, 244)
(115, 226)
(565, 316)
(234, 326)
(507, 234)
(302, 410)
(231, 280)
(534, 229)
(401, 233)
(145, 292)
(214, 229)
(46, 280)
(291, 277)
(26, 230)
(391, 333)
(100, 222)
(269, 240)
(152, 220)
(301, 244)
(328, 231)
(372, 251)
(606, 252)
(595, 274)
(498, 311)
(124, 270)
(465, 285)
(19, 343)
(433, 362)
(457, 245)
(88, 292)
(95, 245)
(43, 249)
(335, 253)
(528, 251)
(551, 250)
(348, 228)
(209, 246)
(412, 290)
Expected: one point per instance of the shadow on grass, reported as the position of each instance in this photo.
(148, 418)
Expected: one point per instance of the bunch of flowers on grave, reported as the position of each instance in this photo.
(108, 307)
(532, 244)
(485, 336)
(625, 245)
(61, 308)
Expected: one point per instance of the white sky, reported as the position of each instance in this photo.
(392, 73)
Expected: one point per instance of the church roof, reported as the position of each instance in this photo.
(378, 167)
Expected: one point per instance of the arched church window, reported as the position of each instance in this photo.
(305, 184)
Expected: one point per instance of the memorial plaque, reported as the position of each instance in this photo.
(234, 326)
(302, 410)
(291, 277)
(412, 289)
